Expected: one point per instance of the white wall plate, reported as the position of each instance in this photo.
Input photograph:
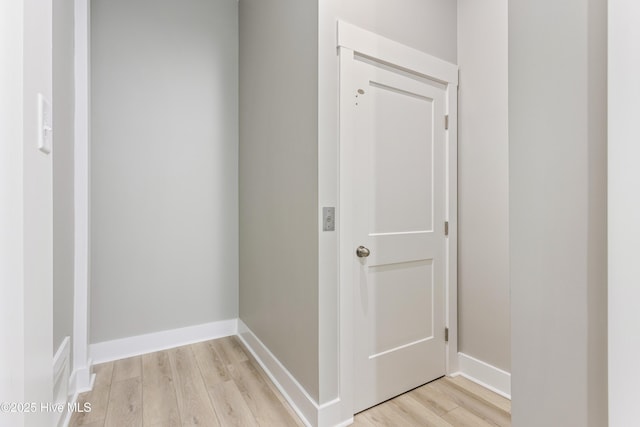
(45, 125)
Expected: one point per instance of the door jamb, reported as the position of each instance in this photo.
(352, 40)
(81, 377)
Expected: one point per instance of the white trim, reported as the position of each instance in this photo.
(330, 415)
(346, 193)
(67, 419)
(81, 364)
(303, 404)
(81, 380)
(311, 414)
(488, 376)
(148, 343)
(61, 358)
(392, 52)
(73, 402)
(451, 251)
(623, 209)
(61, 369)
(352, 40)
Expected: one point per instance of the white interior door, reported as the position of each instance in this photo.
(399, 206)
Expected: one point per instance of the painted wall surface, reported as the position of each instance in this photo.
(624, 210)
(11, 220)
(483, 182)
(426, 25)
(279, 181)
(26, 259)
(63, 235)
(164, 204)
(557, 202)
(38, 213)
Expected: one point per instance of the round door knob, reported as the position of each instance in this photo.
(362, 252)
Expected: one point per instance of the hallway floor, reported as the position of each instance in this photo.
(218, 383)
(446, 402)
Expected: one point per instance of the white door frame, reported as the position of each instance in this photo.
(81, 377)
(353, 40)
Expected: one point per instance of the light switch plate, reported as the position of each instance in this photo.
(45, 124)
(328, 219)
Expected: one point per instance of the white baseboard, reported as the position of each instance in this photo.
(69, 414)
(303, 404)
(311, 414)
(331, 413)
(82, 379)
(157, 341)
(488, 376)
(61, 374)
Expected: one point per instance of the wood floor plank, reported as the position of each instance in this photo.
(220, 383)
(212, 367)
(127, 368)
(235, 349)
(420, 414)
(160, 404)
(265, 377)
(193, 401)
(363, 420)
(483, 393)
(98, 397)
(125, 404)
(389, 415)
(230, 406)
(98, 412)
(437, 402)
(471, 403)
(265, 406)
(93, 424)
(267, 381)
(273, 387)
(229, 350)
(460, 417)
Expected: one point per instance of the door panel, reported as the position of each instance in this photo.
(399, 205)
(399, 293)
(399, 152)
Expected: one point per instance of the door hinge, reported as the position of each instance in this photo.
(446, 334)
(446, 228)
(446, 122)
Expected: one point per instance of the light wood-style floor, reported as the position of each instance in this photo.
(218, 383)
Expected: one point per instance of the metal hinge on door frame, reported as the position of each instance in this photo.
(446, 228)
(446, 122)
(446, 334)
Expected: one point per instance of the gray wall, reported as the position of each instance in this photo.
(427, 25)
(623, 213)
(279, 181)
(164, 190)
(63, 101)
(288, 166)
(557, 173)
(483, 182)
